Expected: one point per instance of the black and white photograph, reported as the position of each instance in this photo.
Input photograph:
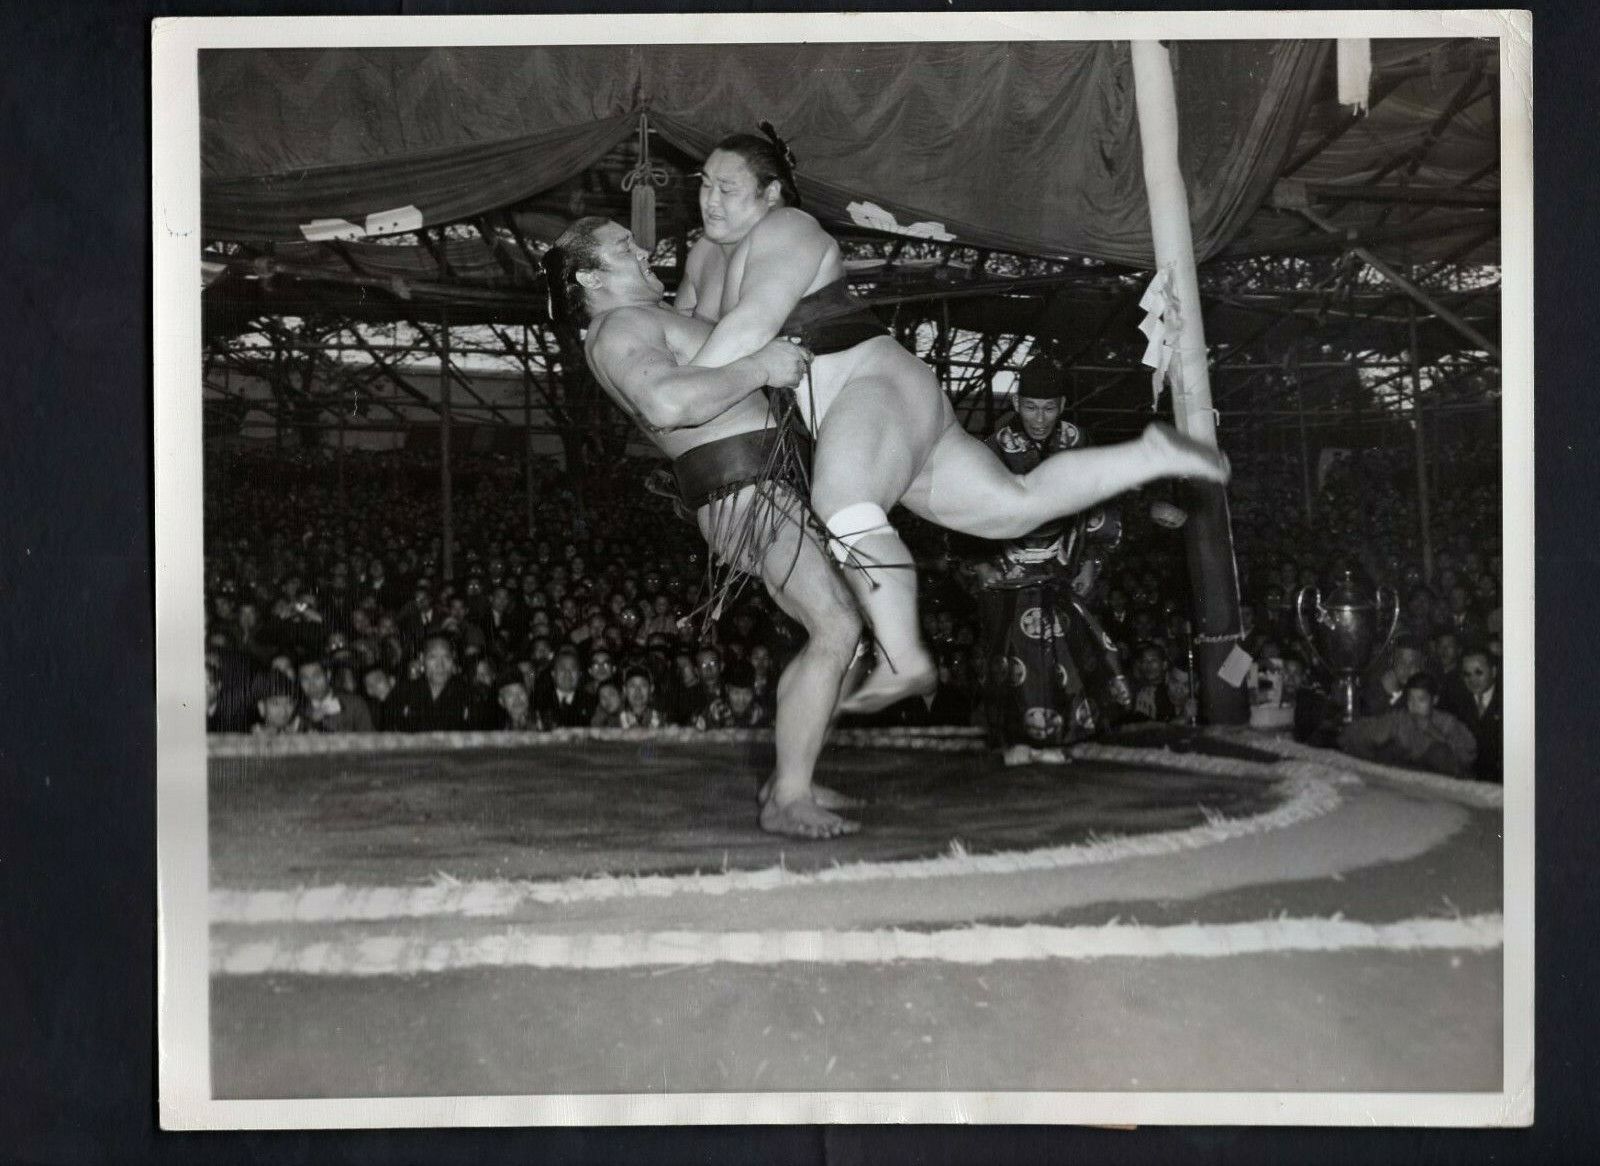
(800, 569)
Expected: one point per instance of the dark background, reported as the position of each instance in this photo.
(77, 676)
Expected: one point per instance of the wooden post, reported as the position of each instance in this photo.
(1213, 573)
(277, 395)
(446, 506)
(988, 383)
(1421, 435)
(527, 419)
(224, 447)
(344, 509)
(338, 375)
(1305, 452)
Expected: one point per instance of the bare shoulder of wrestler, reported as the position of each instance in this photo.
(619, 339)
(633, 325)
(698, 254)
(694, 265)
(789, 227)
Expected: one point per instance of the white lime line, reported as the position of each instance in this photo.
(933, 738)
(1483, 794)
(1306, 798)
(517, 947)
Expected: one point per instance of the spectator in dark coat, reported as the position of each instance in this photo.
(326, 711)
(516, 712)
(438, 700)
(564, 704)
(378, 683)
(224, 713)
(1481, 675)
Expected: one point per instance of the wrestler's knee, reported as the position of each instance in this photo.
(850, 524)
(833, 491)
(836, 638)
(833, 624)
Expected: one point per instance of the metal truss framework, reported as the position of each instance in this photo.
(1331, 327)
(1300, 315)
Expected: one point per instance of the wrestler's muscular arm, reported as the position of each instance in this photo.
(630, 354)
(783, 254)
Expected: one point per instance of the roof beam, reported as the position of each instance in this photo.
(1467, 94)
(455, 373)
(1382, 86)
(1411, 289)
(446, 272)
(509, 220)
(551, 406)
(393, 374)
(1434, 195)
(492, 242)
(1313, 243)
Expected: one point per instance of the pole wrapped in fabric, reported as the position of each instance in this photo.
(1354, 67)
(1213, 575)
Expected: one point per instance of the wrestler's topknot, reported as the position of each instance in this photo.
(572, 254)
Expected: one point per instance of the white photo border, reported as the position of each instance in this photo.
(185, 1096)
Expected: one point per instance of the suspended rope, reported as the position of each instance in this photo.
(641, 183)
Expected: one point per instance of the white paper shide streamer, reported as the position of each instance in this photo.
(1161, 325)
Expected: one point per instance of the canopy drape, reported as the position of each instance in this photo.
(1021, 146)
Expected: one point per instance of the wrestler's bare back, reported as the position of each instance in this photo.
(681, 336)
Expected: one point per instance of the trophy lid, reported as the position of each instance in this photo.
(1349, 573)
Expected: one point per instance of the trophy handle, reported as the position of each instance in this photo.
(1315, 595)
(1394, 617)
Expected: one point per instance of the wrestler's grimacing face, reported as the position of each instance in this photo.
(621, 257)
(731, 203)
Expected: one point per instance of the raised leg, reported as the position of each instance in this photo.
(963, 487)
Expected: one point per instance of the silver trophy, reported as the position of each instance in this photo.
(1342, 629)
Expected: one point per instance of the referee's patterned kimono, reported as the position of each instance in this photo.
(1039, 638)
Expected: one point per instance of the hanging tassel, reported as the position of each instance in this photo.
(641, 183)
(1354, 61)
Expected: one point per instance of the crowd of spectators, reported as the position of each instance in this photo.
(328, 609)
(1363, 513)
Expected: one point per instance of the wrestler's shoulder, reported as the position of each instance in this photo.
(627, 324)
(700, 254)
(788, 223)
(699, 251)
(632, 319)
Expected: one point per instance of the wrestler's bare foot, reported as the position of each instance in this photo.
(886, 685)
(802, 818)
(828, 799)
(1181, 456)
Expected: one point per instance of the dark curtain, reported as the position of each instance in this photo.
(442, 185)
(1024, 146)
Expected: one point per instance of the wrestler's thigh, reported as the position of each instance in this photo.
(871, 443)
(964, 486)
(802, 577)
(724, 524)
